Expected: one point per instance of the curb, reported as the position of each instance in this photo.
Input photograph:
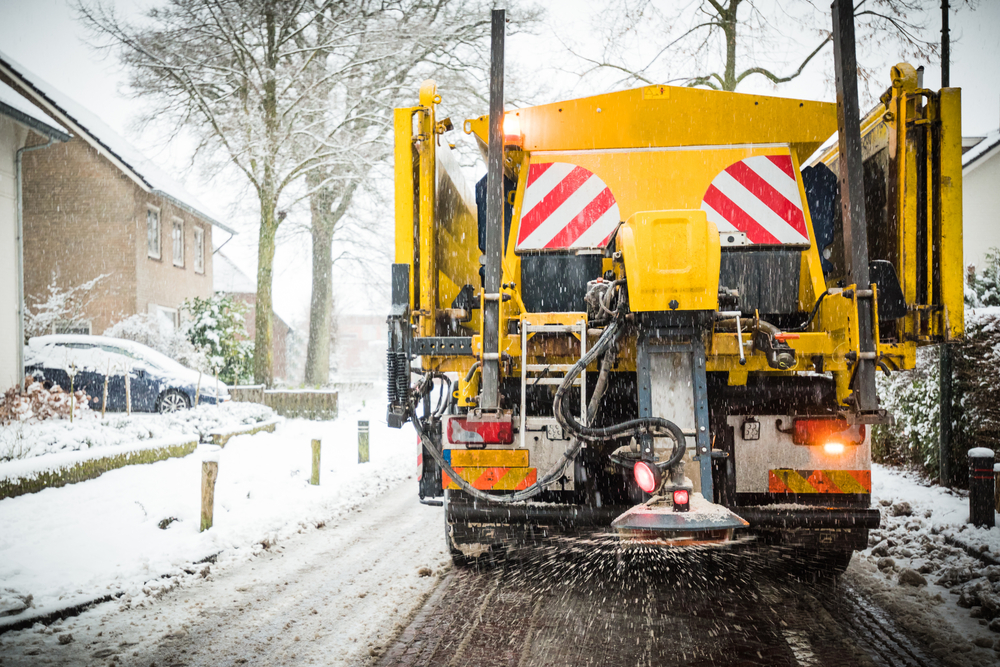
(975, 553)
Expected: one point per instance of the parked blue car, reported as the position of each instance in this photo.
(158, 383)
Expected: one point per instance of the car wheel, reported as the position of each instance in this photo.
(172, 401)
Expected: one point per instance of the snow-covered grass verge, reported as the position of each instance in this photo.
(23, 440)
(134, 532)
(920, 552)
(41, 472)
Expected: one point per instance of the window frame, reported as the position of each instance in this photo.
(176, 223)
(199, 249)
(155, 210)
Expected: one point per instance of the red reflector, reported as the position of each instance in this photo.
(824, 431)
(682, 500)
(647, 476)
(783, 336)
(463, 431)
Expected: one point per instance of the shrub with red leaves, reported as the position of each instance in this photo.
(35, 403)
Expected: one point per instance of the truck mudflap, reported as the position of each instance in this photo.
(810, 517)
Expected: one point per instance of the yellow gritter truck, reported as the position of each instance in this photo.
(649, 316)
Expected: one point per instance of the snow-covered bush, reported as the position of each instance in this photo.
(982, 288)
(36, 403)
(913, 397)
(146, 329)
(62, 306)
(21, 440)
(217, 330)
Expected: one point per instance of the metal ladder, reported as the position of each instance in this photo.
(549, 373)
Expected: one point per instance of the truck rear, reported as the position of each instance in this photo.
(672, 346)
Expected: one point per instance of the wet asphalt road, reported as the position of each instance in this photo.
(579, 604)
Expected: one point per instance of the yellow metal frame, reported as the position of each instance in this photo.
(629, 126)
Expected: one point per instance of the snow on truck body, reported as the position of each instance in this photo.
(157, 381)
(672, 292)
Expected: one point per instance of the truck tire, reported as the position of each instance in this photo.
(834, 561)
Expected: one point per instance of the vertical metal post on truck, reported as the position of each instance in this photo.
(494, 222)
(852, 199)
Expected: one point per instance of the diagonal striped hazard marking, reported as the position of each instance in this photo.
(565, 206)
(492, 478)
(819, 481)
(759, 196)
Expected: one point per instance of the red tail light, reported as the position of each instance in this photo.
(826, 431)
(682, 500)
(463, 431)
(647, 476)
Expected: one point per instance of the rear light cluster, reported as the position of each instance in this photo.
(487, 432)
(682, 500)
(832, 434)
(647, 476)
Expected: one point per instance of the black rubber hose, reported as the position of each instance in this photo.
(632, 427)
(812, 315)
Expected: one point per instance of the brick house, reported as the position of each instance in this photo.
(95, 206)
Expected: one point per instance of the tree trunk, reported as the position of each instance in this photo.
(263, 352)
(318, 349)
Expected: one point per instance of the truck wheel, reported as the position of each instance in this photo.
(832, 561)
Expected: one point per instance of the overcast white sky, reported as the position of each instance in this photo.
(44, 37)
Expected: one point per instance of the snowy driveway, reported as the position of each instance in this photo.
(331, 596)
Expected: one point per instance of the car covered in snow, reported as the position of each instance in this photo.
(157, 382)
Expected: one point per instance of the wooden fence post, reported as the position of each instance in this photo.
(315, 472)
(209, 473)
(362, 441)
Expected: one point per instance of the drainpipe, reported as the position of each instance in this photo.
(19, 250)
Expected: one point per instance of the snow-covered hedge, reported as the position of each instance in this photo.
(24, 440)
(913, 397)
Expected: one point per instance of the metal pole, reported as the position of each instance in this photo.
(945, 46)
(944, 439)
(852, 190)
(363, 441)
(981, 491)
(494, 221)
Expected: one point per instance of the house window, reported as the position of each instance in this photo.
(153, 232)
(199, 250)
(178, 236)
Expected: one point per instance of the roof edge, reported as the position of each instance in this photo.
(190, 209)
(33, 123)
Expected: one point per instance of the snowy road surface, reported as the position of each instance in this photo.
(331, 596)
(358, 593)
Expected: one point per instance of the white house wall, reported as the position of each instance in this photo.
(12, 138)
(981, 207)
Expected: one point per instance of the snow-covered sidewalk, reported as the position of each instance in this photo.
(121, 533)
(917, 565)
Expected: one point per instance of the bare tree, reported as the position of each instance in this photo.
(230, 71)
(370, 56)
(720, 44)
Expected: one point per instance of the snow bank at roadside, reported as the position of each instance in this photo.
(26, 440)
(921, 550)
(122, 532)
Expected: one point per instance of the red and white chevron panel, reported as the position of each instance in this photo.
(566, 207)
(760, 197)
